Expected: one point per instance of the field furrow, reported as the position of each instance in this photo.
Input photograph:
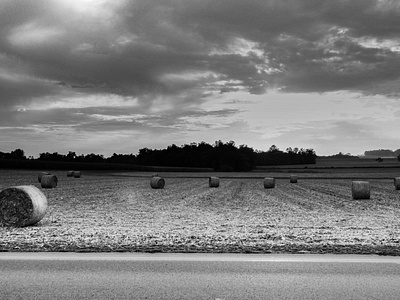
(116, 213)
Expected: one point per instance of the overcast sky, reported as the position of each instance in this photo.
(115, 76)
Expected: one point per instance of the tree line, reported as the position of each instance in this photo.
(220, 156)
(383, 153)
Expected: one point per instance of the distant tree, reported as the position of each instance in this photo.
(122, 158)
(342, 155)
(275, 149)
(93, 158)
(70, 156)
(55, 156)
(274, 156)
(16, 154)
(380, 152)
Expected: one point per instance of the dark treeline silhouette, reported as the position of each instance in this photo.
(224, 156)
(220, 156)
(88, 158)
(72, 157)
(382, 152)
(342, 155)
(294, 156)
(16, 154)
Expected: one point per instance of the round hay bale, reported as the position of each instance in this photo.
(269, 183)
(41, 175)
(154, 175)
(360, 190)
(22, 206)
(397, 183)
(49, 181)
(293, 179)
(77, 174)
(70, 174)
(157, 182)
(213, 181)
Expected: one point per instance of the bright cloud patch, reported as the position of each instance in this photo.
(31, 34)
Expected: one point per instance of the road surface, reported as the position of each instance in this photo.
(197, 276)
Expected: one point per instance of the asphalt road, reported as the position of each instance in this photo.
(197, 276)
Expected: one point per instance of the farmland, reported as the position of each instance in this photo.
(120, 212)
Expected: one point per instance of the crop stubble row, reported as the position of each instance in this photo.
(123, 213)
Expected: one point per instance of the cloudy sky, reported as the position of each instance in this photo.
(105, 76)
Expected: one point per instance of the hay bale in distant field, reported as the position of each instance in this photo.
(154, 175)
(213, 181)
(360, 190)
(70, 174)
(397, 183)
(49, 181)
(157, 182)
(293, 179)
(22, 206)
(41, 175)
(269, 183)
(77, 174)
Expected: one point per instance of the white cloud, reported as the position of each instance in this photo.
(86, 101)
(32, 34)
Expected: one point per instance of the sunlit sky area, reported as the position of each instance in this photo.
(115, 76)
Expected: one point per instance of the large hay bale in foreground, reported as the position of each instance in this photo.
(293, 179)
(397, 183)
(213, 181)
(22, 206)
(41, 175)
(70, 174)
(360, 190)
(77, 174)
(49, 181)
(269, 183)
(157, 182)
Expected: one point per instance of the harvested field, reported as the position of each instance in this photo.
(123, 213)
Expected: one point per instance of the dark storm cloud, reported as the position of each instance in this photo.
(149, 48)
(311, 45)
